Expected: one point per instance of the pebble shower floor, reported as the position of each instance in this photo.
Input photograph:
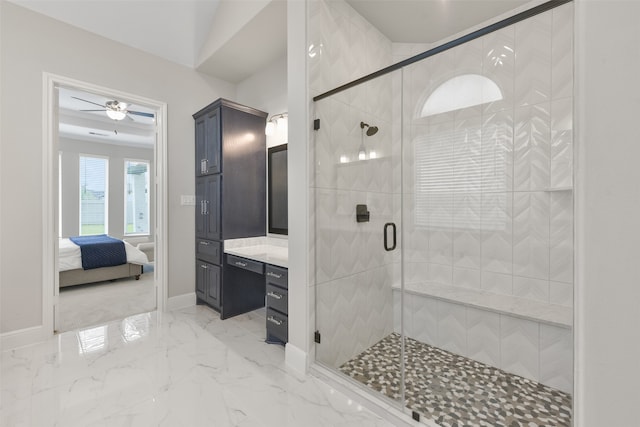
(456, 391)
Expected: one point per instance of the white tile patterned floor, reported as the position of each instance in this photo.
(182, 368)
(85, 305)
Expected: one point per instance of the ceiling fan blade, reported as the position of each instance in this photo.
(90, 102)
(140, 113)
(129, 117)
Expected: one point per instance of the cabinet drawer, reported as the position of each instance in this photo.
(244, 263)
(277, 298)
(209, 250)
(276, 275)
(277, 325)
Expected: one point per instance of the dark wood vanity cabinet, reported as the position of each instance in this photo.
(230, 170)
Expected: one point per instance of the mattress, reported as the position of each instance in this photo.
(70, 258)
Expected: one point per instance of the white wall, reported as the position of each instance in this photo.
(266, 90)
(32, 44)
(608, 206)
(71, 149)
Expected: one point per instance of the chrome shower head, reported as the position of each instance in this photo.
(371, 130)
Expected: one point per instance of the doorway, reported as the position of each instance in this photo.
(105, 172)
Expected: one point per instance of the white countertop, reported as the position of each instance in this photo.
(262, 251)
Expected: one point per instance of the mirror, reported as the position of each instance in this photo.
(277, 190)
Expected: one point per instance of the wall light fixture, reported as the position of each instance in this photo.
(276, 121)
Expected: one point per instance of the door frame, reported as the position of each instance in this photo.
(50, 149)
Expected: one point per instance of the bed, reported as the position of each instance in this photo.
(71, 271)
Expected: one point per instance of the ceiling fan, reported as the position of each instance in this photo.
(116, 110)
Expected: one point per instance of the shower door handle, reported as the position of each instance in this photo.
(386, 236)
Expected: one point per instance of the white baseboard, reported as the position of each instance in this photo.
(22, 337)
(181, 301)
(296, 359)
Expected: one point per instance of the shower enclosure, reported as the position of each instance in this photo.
(443, 226)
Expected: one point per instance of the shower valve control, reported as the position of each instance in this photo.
(362, 214)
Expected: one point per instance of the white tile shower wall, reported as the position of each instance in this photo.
(353, 273)
(534, 350)
(343, 46)
(488, 190)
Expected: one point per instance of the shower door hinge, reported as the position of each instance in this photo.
(316, 337)
(316, 124)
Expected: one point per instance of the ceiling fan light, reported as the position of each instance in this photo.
(116, 115)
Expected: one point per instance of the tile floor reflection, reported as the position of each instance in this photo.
(183, 368)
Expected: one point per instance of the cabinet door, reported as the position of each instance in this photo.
(201, 279)
(208, 207)
(213, 285)
(208, 143)
(212, 142)
(201, 198)
(201, 148)
(208, 283)
(212, 208)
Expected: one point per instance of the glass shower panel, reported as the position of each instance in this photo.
(357, 188)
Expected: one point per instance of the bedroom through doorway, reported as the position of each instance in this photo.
(107, 158)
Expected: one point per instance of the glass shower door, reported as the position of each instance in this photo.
(357, 196)
(487, 228)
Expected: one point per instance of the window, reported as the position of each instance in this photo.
(60, 194)
(452, 170)
(93, 195)
(136, 197)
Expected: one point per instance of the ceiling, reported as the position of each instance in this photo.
(178, 30)
(230, 39)
(429, 21)
(173, 29)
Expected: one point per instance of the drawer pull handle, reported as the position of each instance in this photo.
(277, 276)
(274, 320)
(241, 264)
(204, 266)
(204, 243)
(275, 295)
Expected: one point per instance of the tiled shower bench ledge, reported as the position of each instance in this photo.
(538, 311)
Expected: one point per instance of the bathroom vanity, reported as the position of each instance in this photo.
(256, 262)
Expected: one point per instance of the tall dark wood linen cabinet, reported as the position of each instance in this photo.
(230, 195)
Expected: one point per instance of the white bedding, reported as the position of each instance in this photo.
(70, 258)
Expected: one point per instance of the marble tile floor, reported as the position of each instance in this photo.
(85, 305)
(181, 368)
(456, 391)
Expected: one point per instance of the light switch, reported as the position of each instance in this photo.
(187, 200)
